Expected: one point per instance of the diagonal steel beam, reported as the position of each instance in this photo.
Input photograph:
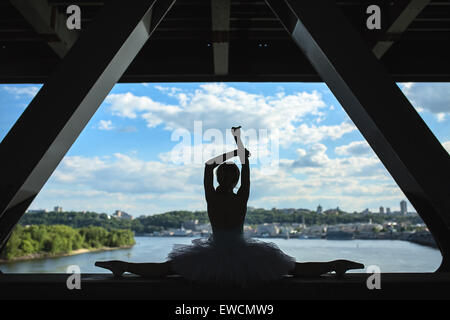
(35, 145)
(220, 18)
(395, 131)
(48, 23)
(400, 24)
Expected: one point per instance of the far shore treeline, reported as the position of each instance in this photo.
(175, 219)
(46, 234)
(36, 241)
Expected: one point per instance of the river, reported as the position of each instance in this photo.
(389, 255)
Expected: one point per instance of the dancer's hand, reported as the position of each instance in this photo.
(236, 132)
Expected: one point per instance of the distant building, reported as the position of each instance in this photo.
(388, 210)
(381, 210)
(403, 207)
(249, 231)
(287, 210)
(267, 229)
(204, 228)
(122, 215)
(190, 225)
(58, 209)
(37, 211)
(181, 232)
(366, 211)
(285, 231)
(319, 209)
(315, 231)
(332, 211)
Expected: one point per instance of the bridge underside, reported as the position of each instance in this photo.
(193, 44)
(318, 41)
(99, 286)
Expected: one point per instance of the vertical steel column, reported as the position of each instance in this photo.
(220, 18)
(53, 120)
(395, 131)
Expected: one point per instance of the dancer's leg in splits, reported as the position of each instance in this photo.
(306, 269)
(314, 269)
(150, 270)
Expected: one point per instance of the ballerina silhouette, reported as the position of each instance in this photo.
(227, 257)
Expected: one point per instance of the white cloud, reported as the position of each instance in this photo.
(433, 97)
(355, 148)
(353, 184)
(105, 125)
(221, 107)
(120, 181)
(316, 164)
(313, 134)
(315, 157)
(441, 116)
(446, 146)
(21, 91)
(123, 173)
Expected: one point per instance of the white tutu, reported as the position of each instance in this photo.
(229, 259)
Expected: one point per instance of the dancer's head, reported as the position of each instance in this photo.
(227, 175)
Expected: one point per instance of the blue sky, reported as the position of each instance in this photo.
(124, 158)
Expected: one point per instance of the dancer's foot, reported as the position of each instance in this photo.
(342, 266)
(116, 267)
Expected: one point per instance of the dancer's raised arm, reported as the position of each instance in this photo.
(244, 154)
(214, 162)
(208, 176)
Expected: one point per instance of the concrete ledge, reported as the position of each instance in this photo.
(104, 286)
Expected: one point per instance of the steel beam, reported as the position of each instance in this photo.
(38, 141)
(408, 14)
(220, 17)
(49, 23)
(395, 131)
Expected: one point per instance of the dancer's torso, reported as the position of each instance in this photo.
(226, 210)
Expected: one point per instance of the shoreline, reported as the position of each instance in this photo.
(423, 239)
(37, 256)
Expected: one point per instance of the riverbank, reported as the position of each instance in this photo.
(424, 239)
(40, 241)
(37, 256)
(421, 238)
